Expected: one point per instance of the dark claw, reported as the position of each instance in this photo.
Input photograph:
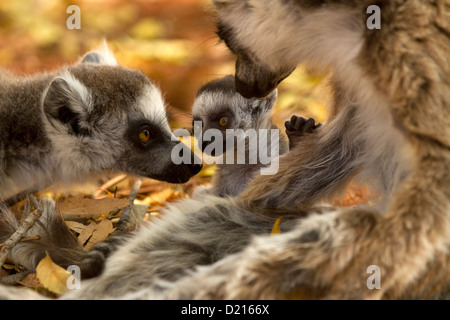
(297, 127)
(309, 125)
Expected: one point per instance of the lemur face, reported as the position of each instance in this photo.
(255, 77)
(219, 106)
(109, 117)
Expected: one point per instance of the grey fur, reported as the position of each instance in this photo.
(190, 233)
(55, 238)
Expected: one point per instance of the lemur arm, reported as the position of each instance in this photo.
(313, 169)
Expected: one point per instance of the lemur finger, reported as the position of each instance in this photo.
(288, 126)
(297, 122)
(309, 125)
(292, 121)
(317, 126)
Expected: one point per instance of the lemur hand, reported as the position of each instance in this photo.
(297, 127)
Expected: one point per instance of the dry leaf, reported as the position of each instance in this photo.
(207, 171)
(159, 198)
(85, 207)
(276, 227)
(95, 233)
(51, 276)
(75, 226)
(31, 281)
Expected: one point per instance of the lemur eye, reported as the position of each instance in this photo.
(223, 121)
(144, 136)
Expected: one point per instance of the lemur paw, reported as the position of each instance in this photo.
(297, 127)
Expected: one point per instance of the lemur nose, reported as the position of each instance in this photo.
(195, 168)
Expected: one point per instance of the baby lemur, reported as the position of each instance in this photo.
(219, 106)
(91, 116)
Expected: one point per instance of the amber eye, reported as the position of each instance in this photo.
(144, 136)
(223, 121)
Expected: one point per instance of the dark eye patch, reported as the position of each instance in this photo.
(224, 112)
(157, 135)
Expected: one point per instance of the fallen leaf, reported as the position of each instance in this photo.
(159, 198)
(51, 276)
(95, 233)
(276, 227)
(86, 208)
(75, 226)
(207, 171)
(31, 281)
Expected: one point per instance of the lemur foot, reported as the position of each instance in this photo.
(297, 127)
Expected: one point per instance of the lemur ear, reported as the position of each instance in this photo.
(67, 104)
(102, 55)
(266, 103)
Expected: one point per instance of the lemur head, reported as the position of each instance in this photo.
(219, 106)
(254, 76)
(100, 116)
(270, 38)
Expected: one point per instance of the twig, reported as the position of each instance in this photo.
(20, 232)
(134, 190)
(33, 237)
(142, 190)
(124, 217)
(109, 184)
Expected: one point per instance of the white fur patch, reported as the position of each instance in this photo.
(151, 105)
(80, 90)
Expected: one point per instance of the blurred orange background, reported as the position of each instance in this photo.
(172, 41)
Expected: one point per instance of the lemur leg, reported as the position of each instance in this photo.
(314, 169)
(298, 127)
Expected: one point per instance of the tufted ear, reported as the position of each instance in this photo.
(66, 104)
(267, 103)
(102, 55)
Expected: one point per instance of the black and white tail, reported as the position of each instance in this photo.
(54, 237)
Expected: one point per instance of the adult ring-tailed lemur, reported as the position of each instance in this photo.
(89, 117)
